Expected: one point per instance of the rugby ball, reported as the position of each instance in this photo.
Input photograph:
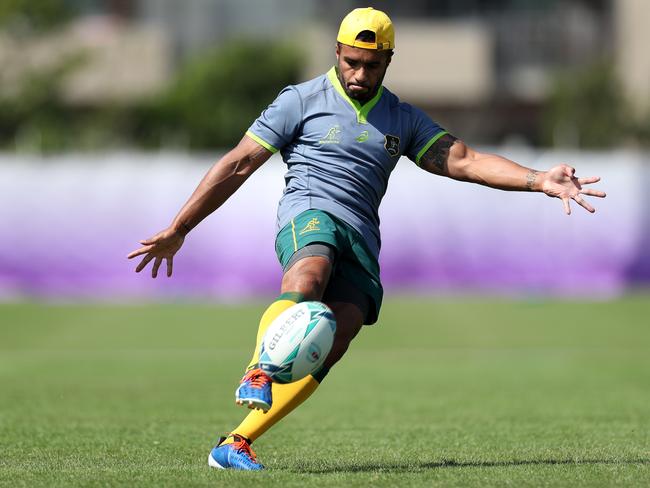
(297, 342)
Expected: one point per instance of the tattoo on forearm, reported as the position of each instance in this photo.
(438, 154)
(531, 177)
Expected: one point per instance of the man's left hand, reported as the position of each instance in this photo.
(560, 182)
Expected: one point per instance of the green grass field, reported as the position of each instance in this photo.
(464, 392)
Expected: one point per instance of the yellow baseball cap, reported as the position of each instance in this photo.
(361, 19)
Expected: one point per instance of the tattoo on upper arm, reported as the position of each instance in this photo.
(435, 159)
(531, 177)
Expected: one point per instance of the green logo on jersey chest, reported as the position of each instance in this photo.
(332, 136)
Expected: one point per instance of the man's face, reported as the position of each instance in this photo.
(361, 71)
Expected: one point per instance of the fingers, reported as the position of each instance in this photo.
(150, 256)
(569, 171)
(156, 265)
(589, 180)
(567, 207)
(584, 204)
(170, 266)
(593, 193)
(157, 247)
(147, 245)
(143, 263)
(139, 252)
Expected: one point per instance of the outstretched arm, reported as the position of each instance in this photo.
(219, 183)
(452, 158)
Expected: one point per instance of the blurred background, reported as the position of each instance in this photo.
(112, 110)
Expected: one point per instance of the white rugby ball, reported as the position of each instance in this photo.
(297, 342)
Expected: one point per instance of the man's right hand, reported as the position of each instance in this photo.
(161, 246)
(223, 179)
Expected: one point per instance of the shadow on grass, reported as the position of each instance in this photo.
(450, 463)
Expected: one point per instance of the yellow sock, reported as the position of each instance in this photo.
(282, 303)
(285, 399)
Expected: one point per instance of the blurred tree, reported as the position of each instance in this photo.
(642, 131)
(210, 105)
(217, 96)
(32, 117)
(587, 109)
(34, 16)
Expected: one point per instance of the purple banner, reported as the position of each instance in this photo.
(69, 222)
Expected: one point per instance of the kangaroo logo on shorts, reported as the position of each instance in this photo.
(311, 226)
(392, 145)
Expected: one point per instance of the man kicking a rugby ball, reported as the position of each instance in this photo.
(340, 134)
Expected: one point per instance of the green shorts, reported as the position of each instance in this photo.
(354, 262)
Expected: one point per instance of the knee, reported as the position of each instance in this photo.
(309, 277)
(310, 285)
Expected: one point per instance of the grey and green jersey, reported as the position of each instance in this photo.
(339, 153)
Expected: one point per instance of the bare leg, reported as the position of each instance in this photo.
(309, 276)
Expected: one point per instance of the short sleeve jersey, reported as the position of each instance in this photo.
(339, 153)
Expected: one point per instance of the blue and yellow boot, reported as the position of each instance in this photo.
(255, 390)
(234, 452)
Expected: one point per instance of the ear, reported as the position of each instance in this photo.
(338, 51)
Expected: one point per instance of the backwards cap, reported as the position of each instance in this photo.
(367, 19)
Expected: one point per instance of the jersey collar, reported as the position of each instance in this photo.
(362, 111)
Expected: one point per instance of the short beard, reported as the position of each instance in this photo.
(360, 98)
